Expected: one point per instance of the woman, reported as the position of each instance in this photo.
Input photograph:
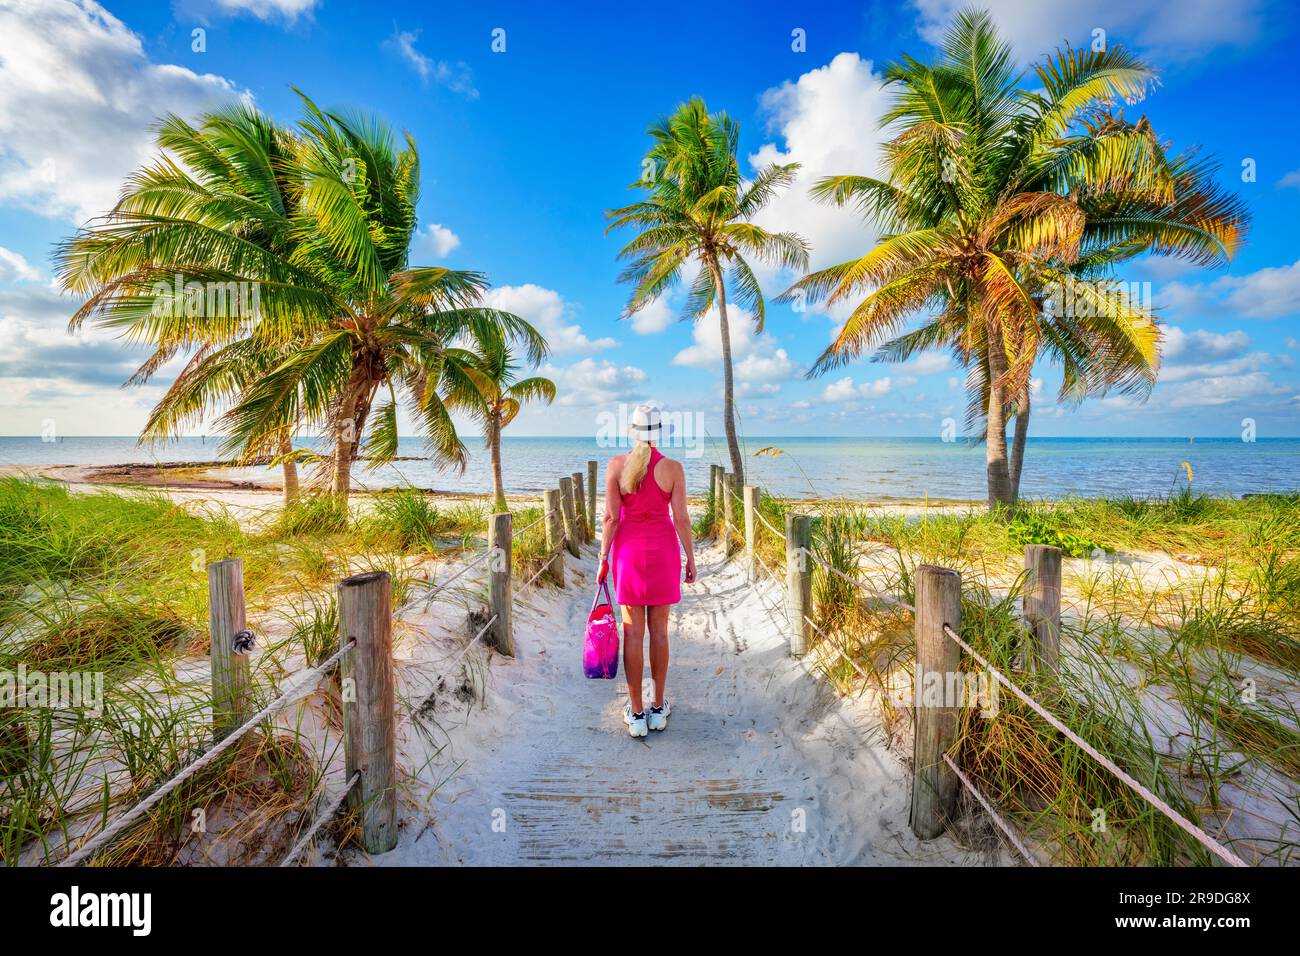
(641, 489)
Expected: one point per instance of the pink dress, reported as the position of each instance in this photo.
(647, 558)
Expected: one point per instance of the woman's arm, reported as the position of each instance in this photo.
(613, 507)
(682, 519)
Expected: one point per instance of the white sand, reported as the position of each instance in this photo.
(761, 762)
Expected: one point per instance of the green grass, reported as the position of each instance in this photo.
(116, 582)
(1188, 639)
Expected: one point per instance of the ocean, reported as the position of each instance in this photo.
(881, 469)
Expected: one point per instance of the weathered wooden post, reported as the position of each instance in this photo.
(1041, 605)
(728, 513)
(580, 506)
(369, 724)
(798, 581)
(569, 516)
(554, 536)
(500, 591)
(937, 677)
(751, 528)
(230, 683)
(592, 516)
(715, 491)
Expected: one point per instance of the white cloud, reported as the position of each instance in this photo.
(546, 310)
(1290, 181)
(1200, 345)
(266, 10)
(757, 359)
(1267, 293)
(15, 268)
(434, 241)
(652, 319)
(928, 363)
(77, 98)
(1184, 30)
(844, 389)
(774, 367)
(828, 122)
(457, 77)
(589, 382)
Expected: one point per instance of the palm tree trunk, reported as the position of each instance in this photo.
(1018, 441)
(494, 443)
(289, 468)
(995, 454)
(345, 440)
(728, 387)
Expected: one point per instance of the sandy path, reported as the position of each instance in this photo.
(761, 763)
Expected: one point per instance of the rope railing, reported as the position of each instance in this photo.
(1042, 618)
(996, 817)
(878, 595)
(532, 525)
(433, 588)
(1145, 793)
(322, 818)
(110, 833)
(540, 571)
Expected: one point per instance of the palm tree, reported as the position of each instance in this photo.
(700, 211)
(503, 395)
(325, 254)
(1000, 205)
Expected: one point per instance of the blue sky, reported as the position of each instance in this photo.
(522, 150)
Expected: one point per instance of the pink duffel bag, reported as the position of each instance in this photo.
(600, 649)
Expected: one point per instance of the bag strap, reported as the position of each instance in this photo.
(603, 586)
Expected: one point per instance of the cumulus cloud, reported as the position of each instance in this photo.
(845, 389)
(77, 98)
(434, 241)
(1184, 30)
(827, 121)
(1267, 293)
(549, 313)
(457, 77)
(592, 382)
(652, 319)
(754, 357)
(1199, 345)
(15, 268)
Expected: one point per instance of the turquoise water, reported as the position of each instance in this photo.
(876, 468)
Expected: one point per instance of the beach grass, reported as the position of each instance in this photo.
(1202, 653)
(115, 582)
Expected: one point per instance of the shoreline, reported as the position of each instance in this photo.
(197, 476)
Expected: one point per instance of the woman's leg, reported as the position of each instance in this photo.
(634, 654)
(657, 620)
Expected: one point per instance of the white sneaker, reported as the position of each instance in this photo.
(636, 723)
(657, 719)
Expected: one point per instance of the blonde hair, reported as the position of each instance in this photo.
(634, 468)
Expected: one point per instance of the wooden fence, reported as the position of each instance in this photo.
(365, 660)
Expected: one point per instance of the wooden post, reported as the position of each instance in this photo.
(230, 683)
(798, 581)
(1041, 605)
(715, 489)
(369, 724)
(500, 591)
(554, 536)
(569, 516)
(728, 489)
(580, 506)
(591, 500)
(936, 679)
(751, 510)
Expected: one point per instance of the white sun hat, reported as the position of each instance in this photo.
(647, 424)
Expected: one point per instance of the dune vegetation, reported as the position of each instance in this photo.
(1181, 658)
